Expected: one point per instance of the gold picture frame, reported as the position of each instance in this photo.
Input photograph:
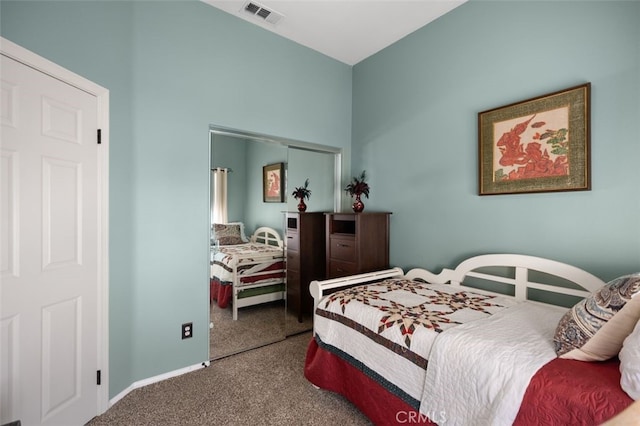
(537, 145)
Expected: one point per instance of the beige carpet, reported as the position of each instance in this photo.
(256, 326)
(263, 386)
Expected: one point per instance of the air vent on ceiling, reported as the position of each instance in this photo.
(260, 11)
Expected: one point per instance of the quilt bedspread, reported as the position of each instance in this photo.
(478, 373)
(404, 318)
(249, 259)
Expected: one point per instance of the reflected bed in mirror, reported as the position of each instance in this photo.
(241, 201)
(246, 273)
(247, 278)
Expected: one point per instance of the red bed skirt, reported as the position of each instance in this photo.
(330, 372)
(220, 293)
(563, 392)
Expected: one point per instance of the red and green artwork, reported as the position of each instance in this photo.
(532, 147)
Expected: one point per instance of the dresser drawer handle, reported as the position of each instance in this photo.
(291, 238)
(342, 245)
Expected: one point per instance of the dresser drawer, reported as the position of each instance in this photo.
(293, 240)
(293, 260)
(342, 249)
(341, 269)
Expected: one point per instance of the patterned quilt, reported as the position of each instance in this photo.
(404, 318)
(249, 259)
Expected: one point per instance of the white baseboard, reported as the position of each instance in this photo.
(156, 379)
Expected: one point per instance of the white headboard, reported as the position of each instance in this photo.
(268, 236)
(521, 281)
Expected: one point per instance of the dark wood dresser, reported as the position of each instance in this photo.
(305, 258)
(356, 242)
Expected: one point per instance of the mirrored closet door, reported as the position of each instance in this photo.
(248, 290)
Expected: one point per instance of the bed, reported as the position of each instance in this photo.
(246, 273)
(453, 348)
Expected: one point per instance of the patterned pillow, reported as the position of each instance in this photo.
(594, 329)
(227, 234)
(242, 234)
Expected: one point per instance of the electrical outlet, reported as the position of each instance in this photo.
(187, 330)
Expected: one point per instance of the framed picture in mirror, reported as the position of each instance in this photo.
(272, 183)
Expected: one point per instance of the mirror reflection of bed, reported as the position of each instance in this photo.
(261, 313)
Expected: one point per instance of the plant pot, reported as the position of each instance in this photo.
(358, 205)
(302, 206)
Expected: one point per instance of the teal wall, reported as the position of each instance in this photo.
(247, 156)
(173, 69)
(258, 213)
(231, 152)
(415, 107)
(319, 168)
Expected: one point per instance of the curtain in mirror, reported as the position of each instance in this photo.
(219, 195)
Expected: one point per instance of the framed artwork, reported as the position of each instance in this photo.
(537, 145)
(272, 183)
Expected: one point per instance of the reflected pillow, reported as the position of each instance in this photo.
(630, 364)
(242, 234)
(227, 234)
(594, 329)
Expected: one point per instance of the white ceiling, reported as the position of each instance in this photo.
(346, 30)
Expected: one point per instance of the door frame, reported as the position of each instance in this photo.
(26, 57)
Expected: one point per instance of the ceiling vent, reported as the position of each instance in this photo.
(261, 12)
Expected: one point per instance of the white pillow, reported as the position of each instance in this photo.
(630, 363)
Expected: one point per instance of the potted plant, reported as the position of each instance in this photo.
(358, 187)
(300, 193)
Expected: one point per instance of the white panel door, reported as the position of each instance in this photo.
(49, 249)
